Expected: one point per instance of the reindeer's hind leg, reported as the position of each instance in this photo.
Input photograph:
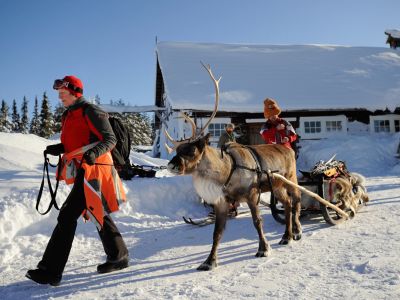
(296, 209)
(282, 195)
(221, 214)
(263, 247)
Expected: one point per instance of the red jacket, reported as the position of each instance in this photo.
(272, 135)
(90, 129)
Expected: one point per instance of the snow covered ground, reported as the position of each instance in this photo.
(355, 260)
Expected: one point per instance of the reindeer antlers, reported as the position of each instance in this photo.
(216, 85)
(193, 137)
(178, 143)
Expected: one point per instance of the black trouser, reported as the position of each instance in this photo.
(57, 251)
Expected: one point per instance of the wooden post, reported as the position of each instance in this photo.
(312, 194)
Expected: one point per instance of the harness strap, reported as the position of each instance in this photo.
(234, 166)
(258, 169)
(53, 194)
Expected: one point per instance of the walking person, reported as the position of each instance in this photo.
(276, 130)
(86, 141)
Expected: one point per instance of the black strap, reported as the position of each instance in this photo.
(53, 194)
(258, 169)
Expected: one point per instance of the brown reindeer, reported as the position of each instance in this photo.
(231, 177)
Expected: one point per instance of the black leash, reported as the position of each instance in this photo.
(53, 194)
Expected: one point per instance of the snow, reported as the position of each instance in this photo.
(298, 76)
(357, 259)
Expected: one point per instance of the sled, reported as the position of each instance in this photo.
(320, 185)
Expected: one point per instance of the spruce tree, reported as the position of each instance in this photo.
(5, 125)
(139, 128)
(58, 112)
(35, 122)
(46, 118)
(15, 118)
(97, 100)
(24, 118)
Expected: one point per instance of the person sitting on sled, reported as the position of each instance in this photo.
(276, 130)
(86, 141)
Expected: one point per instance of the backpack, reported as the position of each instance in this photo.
(120, 153)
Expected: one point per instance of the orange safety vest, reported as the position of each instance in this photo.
(103, 188)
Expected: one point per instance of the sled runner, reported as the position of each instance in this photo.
(210, 219)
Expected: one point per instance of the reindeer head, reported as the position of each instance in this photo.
(190, 151)
(188, 155)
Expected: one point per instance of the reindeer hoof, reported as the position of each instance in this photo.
(207, 267)
(297, 236)
(284, 241)
(262, 253)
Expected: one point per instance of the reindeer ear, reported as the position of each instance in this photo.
(207, 138)
(201, 143)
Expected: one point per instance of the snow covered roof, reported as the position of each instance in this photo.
(393, 33)
(297, 76)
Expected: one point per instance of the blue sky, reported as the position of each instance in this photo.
(110, 44)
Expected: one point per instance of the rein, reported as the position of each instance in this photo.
(53, 194)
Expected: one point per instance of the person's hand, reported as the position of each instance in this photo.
(55, 150)
(285, 140)
(280, 127)
(89, 157)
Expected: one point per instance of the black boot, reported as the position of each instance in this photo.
(108, 267)
(43, 277)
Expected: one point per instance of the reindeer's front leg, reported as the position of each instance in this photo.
(263, 247)
(221, 214)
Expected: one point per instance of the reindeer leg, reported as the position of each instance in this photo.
(221, 214)
(263, 248)
(297, 230)
(284, 198)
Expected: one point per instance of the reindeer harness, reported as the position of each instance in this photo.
(257, 170)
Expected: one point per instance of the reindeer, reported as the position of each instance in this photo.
(239, 175)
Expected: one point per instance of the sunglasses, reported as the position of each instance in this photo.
(59, 83)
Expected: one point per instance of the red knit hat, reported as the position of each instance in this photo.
(77, 86)
(71, 83)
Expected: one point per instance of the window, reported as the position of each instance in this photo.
(396, 125)
(381, 126)
(333, 126)
(312, 127)
(216, 129)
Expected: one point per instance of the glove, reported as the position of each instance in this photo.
(55, 150)
(89, 157)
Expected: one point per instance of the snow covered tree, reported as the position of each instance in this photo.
(5, 125)
(24, 118)
(139, 125)
(46, 118)
(97, 100)
(15, 118)
(35, 122)
(139, 128)
(57, 117)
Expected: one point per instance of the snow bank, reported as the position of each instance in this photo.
(356, 259)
